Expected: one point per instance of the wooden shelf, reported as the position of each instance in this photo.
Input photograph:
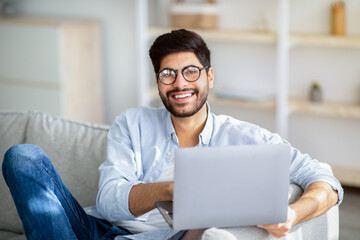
(225, 35)
(327, 109)
(330, 109)
(296, 39)
(324, 40)
(259, 105)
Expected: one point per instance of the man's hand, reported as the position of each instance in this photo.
(318, 198)
(281, 229)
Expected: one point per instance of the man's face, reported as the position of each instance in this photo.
(183, 98)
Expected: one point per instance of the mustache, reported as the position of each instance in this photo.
(181, 90)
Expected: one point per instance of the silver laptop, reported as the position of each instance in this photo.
(229, 186)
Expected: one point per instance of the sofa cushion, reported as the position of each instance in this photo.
(18, 237)
(7, 235)
(76, 149)
(12, 132)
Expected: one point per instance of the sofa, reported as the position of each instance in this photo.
(78, 148)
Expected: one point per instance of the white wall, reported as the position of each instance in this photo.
(118, 19)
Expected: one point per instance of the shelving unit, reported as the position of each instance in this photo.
(283, 105)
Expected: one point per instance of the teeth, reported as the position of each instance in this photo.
(183, 95)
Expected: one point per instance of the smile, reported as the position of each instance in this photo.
(183, 95)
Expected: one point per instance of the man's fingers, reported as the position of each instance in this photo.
(277, 230)
(276, 233)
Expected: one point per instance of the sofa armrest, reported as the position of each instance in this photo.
(323, 227)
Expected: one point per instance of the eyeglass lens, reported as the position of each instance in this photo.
(190, 73)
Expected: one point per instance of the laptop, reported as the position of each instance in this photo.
(228, 187)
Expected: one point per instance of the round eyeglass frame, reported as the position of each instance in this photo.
(182, 73)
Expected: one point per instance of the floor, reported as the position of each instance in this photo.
(350, 214)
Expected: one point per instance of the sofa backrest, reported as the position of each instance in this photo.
(76, 149)
(12, 132)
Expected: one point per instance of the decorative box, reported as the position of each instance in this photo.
(194, 15)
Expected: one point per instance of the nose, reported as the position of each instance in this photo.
(180, 80)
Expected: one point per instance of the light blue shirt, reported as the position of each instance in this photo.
(142, 142)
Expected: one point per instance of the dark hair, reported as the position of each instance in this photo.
(180, 40)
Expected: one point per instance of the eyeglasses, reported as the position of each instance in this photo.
(190, 73)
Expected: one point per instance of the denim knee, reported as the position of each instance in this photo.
(21, 157)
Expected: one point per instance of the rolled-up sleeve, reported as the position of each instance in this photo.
(119, 173)
(305, 170)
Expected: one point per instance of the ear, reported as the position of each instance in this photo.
(210, 76)
(157, 84)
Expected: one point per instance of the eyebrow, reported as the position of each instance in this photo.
(191, 65)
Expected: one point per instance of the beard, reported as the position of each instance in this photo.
(182, 113)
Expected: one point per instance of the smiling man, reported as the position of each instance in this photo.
(139, 167)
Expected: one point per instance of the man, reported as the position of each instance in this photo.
(138, 170)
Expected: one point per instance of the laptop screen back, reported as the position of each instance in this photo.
(230, 186)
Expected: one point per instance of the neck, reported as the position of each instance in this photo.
(188, 129)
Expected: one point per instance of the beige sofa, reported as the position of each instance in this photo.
(77, 149)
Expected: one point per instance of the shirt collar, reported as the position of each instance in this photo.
(206, 133)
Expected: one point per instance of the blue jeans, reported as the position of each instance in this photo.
(46, 207)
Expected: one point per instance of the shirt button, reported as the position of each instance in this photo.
(89, 211)
(151, 179)
(169, 138)
(168, 153)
